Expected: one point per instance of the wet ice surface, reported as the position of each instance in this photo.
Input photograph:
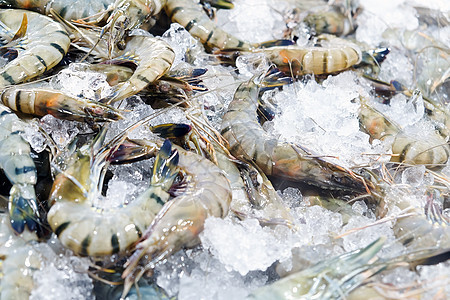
(324, 118)
(239, 256)
(62, 276)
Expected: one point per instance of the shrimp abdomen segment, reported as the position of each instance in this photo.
(192, 17)
(44, 45)
(313, 60)
(434, 151)
(87, 230)
(153, 58)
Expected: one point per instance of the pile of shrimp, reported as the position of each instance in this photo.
(186, 109)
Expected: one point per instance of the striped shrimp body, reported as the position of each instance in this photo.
(16, 162)
(41, 44)
(121, 16)
(90, 230)
(192, 17)
(333, 278)
(70, 10)
(206, 192)
(431, 151)
(153, 58)
(249, 141)
(250, 187)
(18, 262)
(42, 101)
(334, 55)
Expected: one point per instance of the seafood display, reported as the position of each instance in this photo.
(218, 149)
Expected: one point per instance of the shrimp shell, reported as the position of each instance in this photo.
(89, 230)
(18, 261)
(335, 56)
(249, 141)
(191, 16)
(44, 45)
(207, 193)
(153, 58)
(19, 167)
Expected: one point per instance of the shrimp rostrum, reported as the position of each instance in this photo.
(118, 17)
(249, 141)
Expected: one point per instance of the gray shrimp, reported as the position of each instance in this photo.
(206, 192)
(152, 57)
(432, 151)
(192, 17)
(19, 167)
(332, 278)
(249, 141)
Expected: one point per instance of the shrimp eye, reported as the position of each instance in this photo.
(121, 45)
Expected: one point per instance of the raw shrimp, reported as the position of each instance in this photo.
(192, 17)
(430, 57)
(250, 187)
(16, 162)
(425, 226)
(42, 101)
(121, 16)
(248, 141)
(333, 55)
(40, 44)
(432, 151)
(206, 192)
(153, 58)
(89, 230)
(330, 279)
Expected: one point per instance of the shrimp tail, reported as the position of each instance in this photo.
(23, 210)
(132, 150)
(375, 56)
(274, 78)
(165, 168)
(171, 130)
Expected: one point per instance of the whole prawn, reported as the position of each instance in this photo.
(152, 57)
(206, 192)
(19, 167)
(89, 230)
(39, 41)
(330, 279)
(432, 151)
(249, 141)
(42, 101)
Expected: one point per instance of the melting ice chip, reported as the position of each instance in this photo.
(242, 246)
